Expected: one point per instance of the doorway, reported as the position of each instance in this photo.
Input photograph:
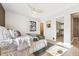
(60, 29)
(42, 28)
(75, 28)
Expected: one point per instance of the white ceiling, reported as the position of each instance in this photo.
(47, 8)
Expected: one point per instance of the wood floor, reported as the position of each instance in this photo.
(74, 51)
(60, 39)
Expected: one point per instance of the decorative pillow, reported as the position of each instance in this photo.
(18, 33)
(40, 36)
(11, 33)
(14, 33)
(35, 39)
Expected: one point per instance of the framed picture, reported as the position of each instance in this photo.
(32, 26)
(48, 25)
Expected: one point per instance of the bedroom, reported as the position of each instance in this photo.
(36, 22)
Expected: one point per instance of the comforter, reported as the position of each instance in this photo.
(18, 43)
(22, 42)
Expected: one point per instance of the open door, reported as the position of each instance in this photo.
(42, 28)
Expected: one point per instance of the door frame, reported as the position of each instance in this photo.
(71, 27)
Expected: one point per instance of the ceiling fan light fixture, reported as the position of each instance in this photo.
(35, 9)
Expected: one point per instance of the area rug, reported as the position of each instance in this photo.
(56, 50)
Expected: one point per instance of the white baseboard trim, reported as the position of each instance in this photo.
(66, 45)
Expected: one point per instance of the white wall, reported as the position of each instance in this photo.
(19, 22)
(50, 33)
(67, 22)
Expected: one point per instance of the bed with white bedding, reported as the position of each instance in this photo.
(9, 44)
(6, 38)
(19, 43)
(19, 47)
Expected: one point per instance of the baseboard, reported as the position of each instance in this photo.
(66, 45)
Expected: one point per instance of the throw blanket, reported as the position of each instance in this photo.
(22, 42)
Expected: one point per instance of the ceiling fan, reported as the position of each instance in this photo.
(34, 9)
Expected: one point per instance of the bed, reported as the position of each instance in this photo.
(14, 45)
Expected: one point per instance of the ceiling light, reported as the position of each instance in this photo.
(35, 9)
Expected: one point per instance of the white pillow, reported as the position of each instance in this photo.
(13, 33)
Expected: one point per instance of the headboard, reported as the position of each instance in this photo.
(2, 16)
